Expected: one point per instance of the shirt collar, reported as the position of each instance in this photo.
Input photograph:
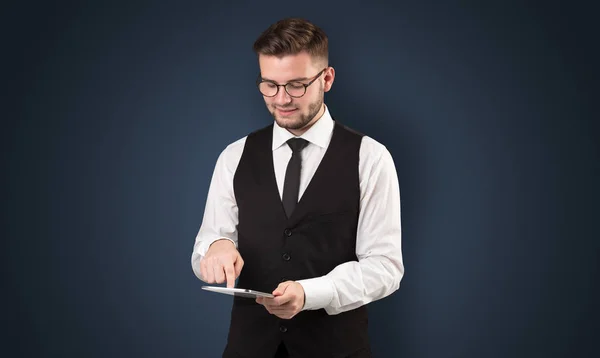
(319, 134)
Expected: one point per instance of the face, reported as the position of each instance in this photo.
(296, 114)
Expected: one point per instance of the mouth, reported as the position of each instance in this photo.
(286, 112)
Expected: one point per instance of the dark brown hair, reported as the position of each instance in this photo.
(291, 36)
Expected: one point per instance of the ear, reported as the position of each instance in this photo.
(329, 76)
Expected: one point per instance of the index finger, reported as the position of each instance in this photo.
(230, 275)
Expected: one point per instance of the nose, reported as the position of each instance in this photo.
(282, 96)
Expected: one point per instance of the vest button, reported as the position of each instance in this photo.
(286, 257)
(287, 232)
(283, 329)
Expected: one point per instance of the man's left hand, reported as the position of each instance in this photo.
(288, 301)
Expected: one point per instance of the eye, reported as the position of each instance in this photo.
(296, 85)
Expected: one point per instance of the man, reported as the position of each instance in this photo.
(305, 208)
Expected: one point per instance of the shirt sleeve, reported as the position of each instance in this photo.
(221, 212)
(379, 268)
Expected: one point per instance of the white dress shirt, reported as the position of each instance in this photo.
(379, 268)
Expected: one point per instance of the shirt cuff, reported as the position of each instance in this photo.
(203, 248)
(318, 292)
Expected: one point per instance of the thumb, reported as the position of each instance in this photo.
(280, 290)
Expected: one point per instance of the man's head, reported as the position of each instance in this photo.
(294, 52)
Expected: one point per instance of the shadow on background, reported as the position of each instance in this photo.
(405, 145)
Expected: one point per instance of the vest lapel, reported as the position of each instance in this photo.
(318, 177)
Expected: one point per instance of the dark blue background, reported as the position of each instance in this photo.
(115, 115)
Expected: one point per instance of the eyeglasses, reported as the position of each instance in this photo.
(295, 89)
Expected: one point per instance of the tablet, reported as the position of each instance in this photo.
(240, 292)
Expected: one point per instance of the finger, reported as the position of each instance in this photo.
(280, 312)
(230, 275)
(210, 275)
(271, 302)
(268, 309)
(282, 300)
(203, 270)
(284, 315)
(239, 263)
(281, 288)
(219, 273)
(277, 309)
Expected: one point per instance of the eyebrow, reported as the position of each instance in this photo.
(292, 80)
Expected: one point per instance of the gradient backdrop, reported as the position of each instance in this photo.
(115, 114)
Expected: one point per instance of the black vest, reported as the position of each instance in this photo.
(320, 235)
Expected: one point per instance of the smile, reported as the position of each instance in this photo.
(286, 111)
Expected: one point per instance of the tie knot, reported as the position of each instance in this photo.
(297, 144)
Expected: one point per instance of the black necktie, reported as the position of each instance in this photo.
(291, 185)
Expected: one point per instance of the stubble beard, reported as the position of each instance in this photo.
(304, 119)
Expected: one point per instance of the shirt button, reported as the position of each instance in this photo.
(283, 329)
(287, 232)
(286, 257)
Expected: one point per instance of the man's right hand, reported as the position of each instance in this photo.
(222, 262)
